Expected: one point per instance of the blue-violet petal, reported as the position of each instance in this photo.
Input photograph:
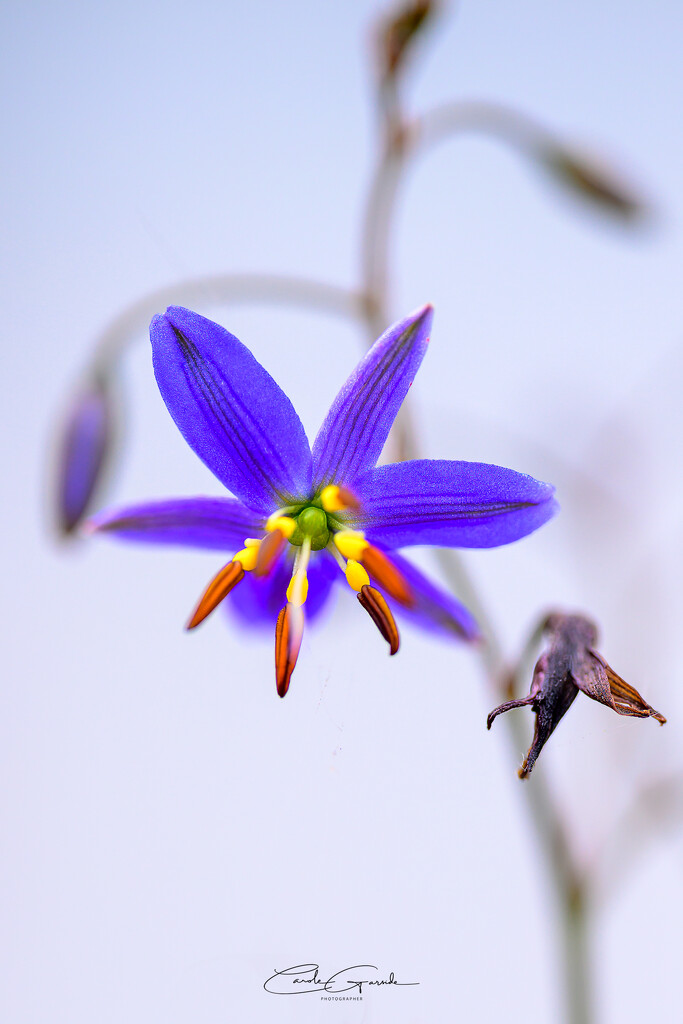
(451, 504)
(217, 523)
(354, 431)
(230, 410)
(434, 609)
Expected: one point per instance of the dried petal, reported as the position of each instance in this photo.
(571, 664)
(603, 684)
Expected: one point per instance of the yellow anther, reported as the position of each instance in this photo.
(356, 576)
(247, 557)
(330, 496)
(297, 591)
(338, 499)
(284, 524)
(252, 542)
(350, 544)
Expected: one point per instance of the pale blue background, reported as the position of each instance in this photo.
(173, 832)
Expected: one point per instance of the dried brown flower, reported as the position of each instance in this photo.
(571, 664)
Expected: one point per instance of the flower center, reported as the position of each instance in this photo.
(311, 522)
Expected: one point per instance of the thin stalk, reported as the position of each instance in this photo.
(401, 142)
(576, 923)
(279, 289)
(493, 119)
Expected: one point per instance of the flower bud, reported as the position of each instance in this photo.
(83, 452)
(590, 178)
(397, 32)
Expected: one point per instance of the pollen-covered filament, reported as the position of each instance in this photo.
(258, 555)
(370, 598)
(297, 591)
(356, 576)
(307, 529)
(353, 545)
(338, 499)
(279, 529)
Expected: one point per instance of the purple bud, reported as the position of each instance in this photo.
(83, 452)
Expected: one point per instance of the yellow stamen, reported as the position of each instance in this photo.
(384, 572)
(302, 594)
(297, 591)
(351, 544)
(338, 499)
(330, 497)
(269, 551)
(356, 576)
(247, 557)
(284, 524)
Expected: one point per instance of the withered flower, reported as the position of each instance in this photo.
(398, 31)
(571, 664)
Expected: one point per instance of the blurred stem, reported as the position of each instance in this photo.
(280, 289)
(656, 808)
(401, 142)
(494, 119)
(577, 957)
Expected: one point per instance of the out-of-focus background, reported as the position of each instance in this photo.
(173, 833)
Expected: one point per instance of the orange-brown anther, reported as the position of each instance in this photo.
(289, 630)
(269, 551)
(387, 575)
(380, 613)
(349, 499)
(219, 587)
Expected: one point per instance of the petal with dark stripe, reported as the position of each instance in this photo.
(230, 410)
(217, 523)
(354, 431)
(452, 504)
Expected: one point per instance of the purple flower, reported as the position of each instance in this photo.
(305, 518)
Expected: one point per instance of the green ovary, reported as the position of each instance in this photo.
(311, 522)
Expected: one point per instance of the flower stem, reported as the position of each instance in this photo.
(577, 958)
(402, 140)
(223, 288)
